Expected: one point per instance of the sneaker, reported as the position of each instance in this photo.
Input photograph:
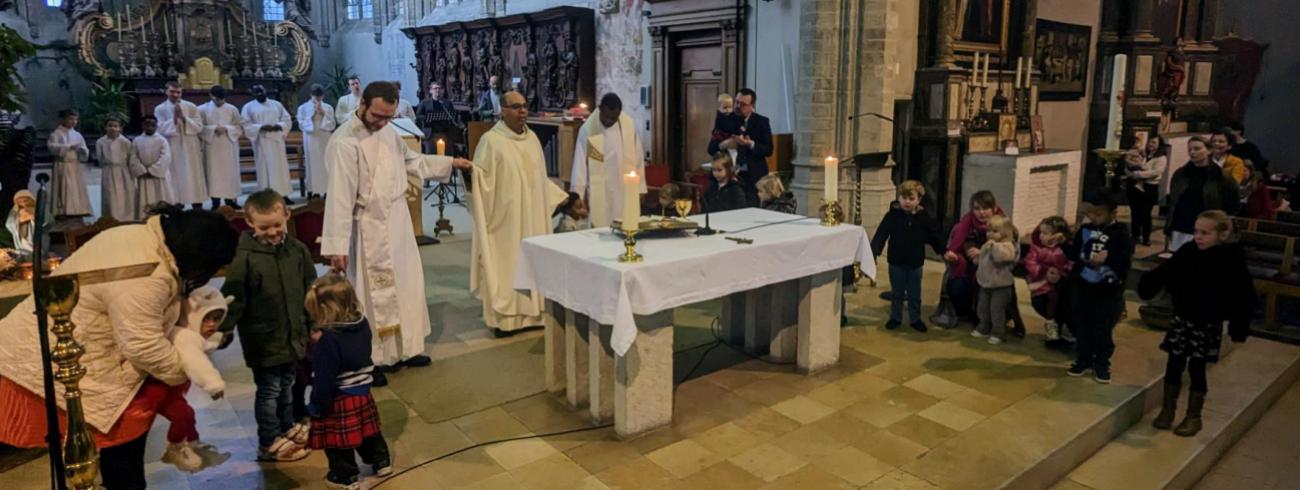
(183, 456)
(416, 361)
(1102, 375)
(977, 334)
(349, 483)
(1077, 370)
(1066, 335)
(995, 340)
(281, 450)
(1052, 331)
(919, 326)
(383, 469)
(892, 324)
(298, 434)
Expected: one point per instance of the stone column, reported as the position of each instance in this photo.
(947, 27)
(1030, 38)
(818, 95)
(1142, 21)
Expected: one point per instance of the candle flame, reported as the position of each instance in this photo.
(632, 173)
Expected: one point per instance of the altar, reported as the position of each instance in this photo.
(1029, 186)
(609, 336)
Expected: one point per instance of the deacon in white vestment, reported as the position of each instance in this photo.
(68, 183)
(222, 127)
(368, 229)
(316, 119)
(180, 123)
(607, 148)
(266, 124)
(511, 199)
(150, 164)
(117, 186)
(404, 107)
(347, 104)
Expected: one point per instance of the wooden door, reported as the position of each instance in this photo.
(699, 82)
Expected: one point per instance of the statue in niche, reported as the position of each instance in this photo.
(1173, 72)
(530, 80)
(568, 75)
(480, 59)
(453, 73)
(299, 12)
(76, 9)
(201, 34)
(608, 7)
(548, 73)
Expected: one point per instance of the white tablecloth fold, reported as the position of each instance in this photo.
(581, 271)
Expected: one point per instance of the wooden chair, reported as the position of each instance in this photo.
(307, 224)
(74, 238)
(1271, 261)
(1289, 216)
(235, 218)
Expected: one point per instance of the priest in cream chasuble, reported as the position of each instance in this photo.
(607, 148)
(511, 199)
(368, 230)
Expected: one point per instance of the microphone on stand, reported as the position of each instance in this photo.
(706, 231)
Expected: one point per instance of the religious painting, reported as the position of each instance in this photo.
(982, 25)
(1061, 52)
(1006, 130)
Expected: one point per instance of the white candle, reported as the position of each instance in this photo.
(631, 201)
(985, 82)
(1033, 100)
(975, 69)
(245, 24)
(121, 25)
(1029, 73)
(832, 191)
(167, 32)
(1116, 102)
(442, 147)
(1020, 65)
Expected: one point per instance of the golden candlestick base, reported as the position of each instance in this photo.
(629, 244)
(1111, 157)
(81, 459)
(832, 214)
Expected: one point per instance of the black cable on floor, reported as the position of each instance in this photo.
(487, 443)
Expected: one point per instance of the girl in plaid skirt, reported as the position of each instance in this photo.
(344, 420)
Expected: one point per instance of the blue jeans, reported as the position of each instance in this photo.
(905, 282)
(273, 402)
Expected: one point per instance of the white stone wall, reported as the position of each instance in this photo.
(1028, 187)
(53, 82)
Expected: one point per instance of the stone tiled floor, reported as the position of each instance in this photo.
(901, 410)
(1267, 457)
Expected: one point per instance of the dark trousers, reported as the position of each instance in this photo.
(1195, 368)
(962, 293)
(1140, 203)
(122, 466)
(905, 282)
(1095, 322)
(273, 401)
(302, 379)
(343, 462)
(1048, 304)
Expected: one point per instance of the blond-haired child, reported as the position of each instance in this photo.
(772, 195)
(997, 286)
(907, 229)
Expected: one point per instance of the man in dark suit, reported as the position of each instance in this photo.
(747, 136)
(439, 120)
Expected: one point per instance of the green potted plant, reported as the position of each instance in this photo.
(13, 48)
(107, 99)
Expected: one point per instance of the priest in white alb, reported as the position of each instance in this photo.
(150, 164)
(347, 104)
(607, 148)
(266, 124)
(316, 120)
(68, 186)
(368, 230)
(222, 127)
(179, 121)
(511, 199)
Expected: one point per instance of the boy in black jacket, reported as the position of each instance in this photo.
(1103, 252)
(909, 229)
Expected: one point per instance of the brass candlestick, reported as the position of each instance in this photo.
(629, 245)
(80, 457)
(1111, 157)
(832, 213)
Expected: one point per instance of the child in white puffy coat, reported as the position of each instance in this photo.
(194, 339)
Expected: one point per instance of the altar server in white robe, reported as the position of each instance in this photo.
(347, 104)
(222, 127)
(179, 121)
(368, 230)
(607, 148)
(404, 108)
(117, 186)
(316, 120)
(151, 159)
(266, 124)
(68, 183)
(511, 199)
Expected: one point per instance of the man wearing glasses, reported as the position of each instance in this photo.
(747, 136)
(368, 232)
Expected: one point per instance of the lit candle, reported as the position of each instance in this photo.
(1020, 65)
(442, 147)
(631, 201)
(832, 191)
(1116, 102)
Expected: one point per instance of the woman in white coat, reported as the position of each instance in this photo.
(123, 324)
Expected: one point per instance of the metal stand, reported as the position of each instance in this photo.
(52, 435)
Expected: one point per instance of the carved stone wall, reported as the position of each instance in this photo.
(551, 54)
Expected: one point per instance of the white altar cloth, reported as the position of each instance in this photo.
(581, 271)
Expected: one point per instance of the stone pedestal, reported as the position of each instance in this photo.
(819, 321)
(1028, 187)
(576, 360)
(783, 321)
(555, 347)
(643, 388)
(600, 371)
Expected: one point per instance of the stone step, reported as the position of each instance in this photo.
(1242, 387)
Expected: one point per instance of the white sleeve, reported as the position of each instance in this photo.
(578, 181)
(341, 163)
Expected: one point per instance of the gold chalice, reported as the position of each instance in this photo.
(683, 207)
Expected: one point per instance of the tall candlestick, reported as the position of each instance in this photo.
(832, 191)
(442, 147)
(631, 201)
(1116, 102)
(1020, 65)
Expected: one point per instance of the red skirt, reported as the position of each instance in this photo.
(349, 420)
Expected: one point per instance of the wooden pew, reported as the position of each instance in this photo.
(293, 147)
(1271, 261)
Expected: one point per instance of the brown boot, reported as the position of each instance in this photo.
(1168, 407)
(1192, 422)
